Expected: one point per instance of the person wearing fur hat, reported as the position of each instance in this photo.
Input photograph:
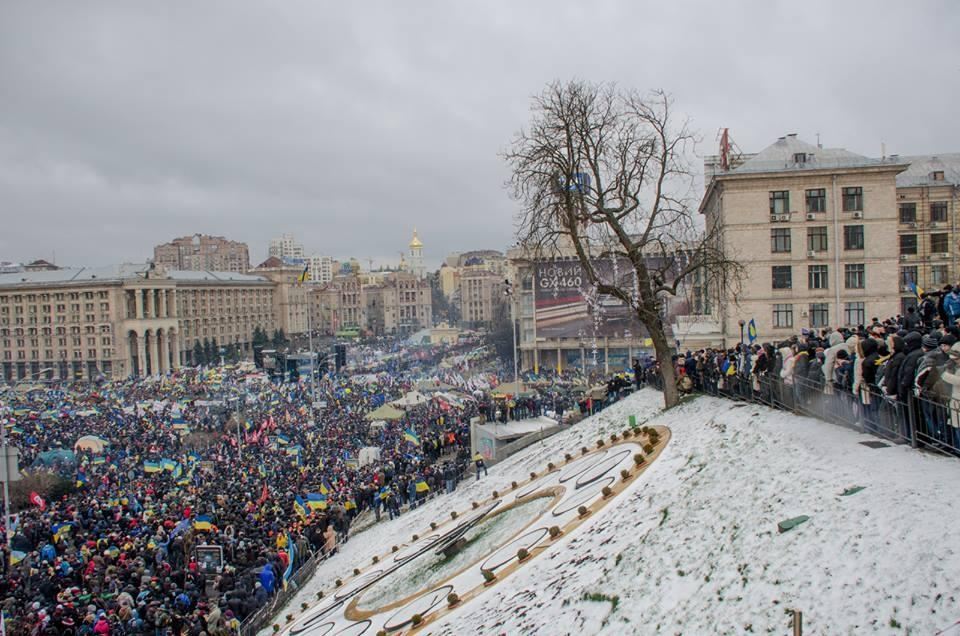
(951, 377)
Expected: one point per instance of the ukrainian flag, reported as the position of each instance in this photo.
(99, 460)
(168, 464)
(384, 493)
(203, 522)
(283, 439)
(262, 470)
(60, 530)
(916, 289)
(193, 457)
(291, 557)
(325, 487)
(422, 486)
(350, 504)
(16, 556)
(304, 275)
(81, 480)
(152, 467)
(411, 437)
(177, 470)
(752, 330)
(300, 506)
(185, 479)
(316, 501)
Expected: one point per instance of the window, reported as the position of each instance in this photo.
(853, 199)
(938, 212)
(908, 276)
(817, 277)
(783, 315)
(780, 240)
(908, 212)
(936, 175)
(782, 277)
(938, 275)
(817, 239)
(800, 157)
(908, 243)
(853, 237)
(906, 302)
(854, 276)
(819, 314)
(780, 202)
(854, 313)
(817, 200)
(939, 243)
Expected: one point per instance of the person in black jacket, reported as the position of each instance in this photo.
(892, 369)
(908, 368)
(868, 382)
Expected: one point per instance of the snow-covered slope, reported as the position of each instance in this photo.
(693, 546)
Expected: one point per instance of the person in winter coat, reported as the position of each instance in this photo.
(912, 320)
(892, 369)
(925, 385)
(836, 343)
(928, 311)
(951, 377)
(267, 578)
(951, 305)
(913, 351)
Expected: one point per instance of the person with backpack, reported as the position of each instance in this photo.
(928, 311)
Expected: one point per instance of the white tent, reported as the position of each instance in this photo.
(413, 398)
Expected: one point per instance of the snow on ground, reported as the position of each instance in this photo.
(693, 547)
(360, 550)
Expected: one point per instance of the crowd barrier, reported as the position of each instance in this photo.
(931, 424)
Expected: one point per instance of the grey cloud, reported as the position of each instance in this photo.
(125, 124)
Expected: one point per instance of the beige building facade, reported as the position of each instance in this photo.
(928, 206)
(202, 252)
(114, 322)
(816, 232)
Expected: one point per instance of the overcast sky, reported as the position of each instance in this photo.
(125, 124)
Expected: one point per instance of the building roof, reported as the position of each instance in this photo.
(415, 241)
(788, 154)
(124, 271)
(922, 167)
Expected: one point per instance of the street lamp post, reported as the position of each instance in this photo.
(508, 292)
(741, 322)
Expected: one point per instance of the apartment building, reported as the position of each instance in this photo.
(928, 207)
(816, 230)
(202, 252)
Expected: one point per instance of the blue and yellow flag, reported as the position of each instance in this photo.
(60, 530)
(16, 556)
(916, 289)
(300, 506)
(152, 467)
(291, 557)
(203, 522)
(304, 277)
(422, 486)
(316, 501)
(325, 487)
(168, 464)
(752, 330)
(282, 439)
(193, 457)
(350, 504)
(100, 459)
(411, 437)
(81, 479)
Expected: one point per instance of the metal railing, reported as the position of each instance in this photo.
(928, 422)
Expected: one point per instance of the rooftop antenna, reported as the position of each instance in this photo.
(730, 153)
(819, 145)
(883, 150)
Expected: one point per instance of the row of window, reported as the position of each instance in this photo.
(47, 341)
(60, 308)
(32, 298)
(854, 313)
(939, 275)
(939, 243)
(818, 276)
(48, 355)
(818, 240)
(938, 212)
(816, 200)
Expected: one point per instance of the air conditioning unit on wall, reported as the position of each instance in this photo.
(811, 254)
(811, 216)
(858, 215)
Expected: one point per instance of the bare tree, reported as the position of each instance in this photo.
(604, 172)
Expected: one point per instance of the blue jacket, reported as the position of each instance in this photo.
(267, 579)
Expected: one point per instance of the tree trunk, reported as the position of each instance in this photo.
(671, 397)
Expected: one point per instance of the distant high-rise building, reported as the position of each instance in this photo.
(321, 269)
(286, 248)
(202, 252)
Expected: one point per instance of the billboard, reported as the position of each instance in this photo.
(566, 308)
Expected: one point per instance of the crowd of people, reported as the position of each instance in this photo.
(900, 377)
(217, 457)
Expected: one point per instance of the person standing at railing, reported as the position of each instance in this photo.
(951, 377)
(867, 356)
(836, 343)
(925, 383)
